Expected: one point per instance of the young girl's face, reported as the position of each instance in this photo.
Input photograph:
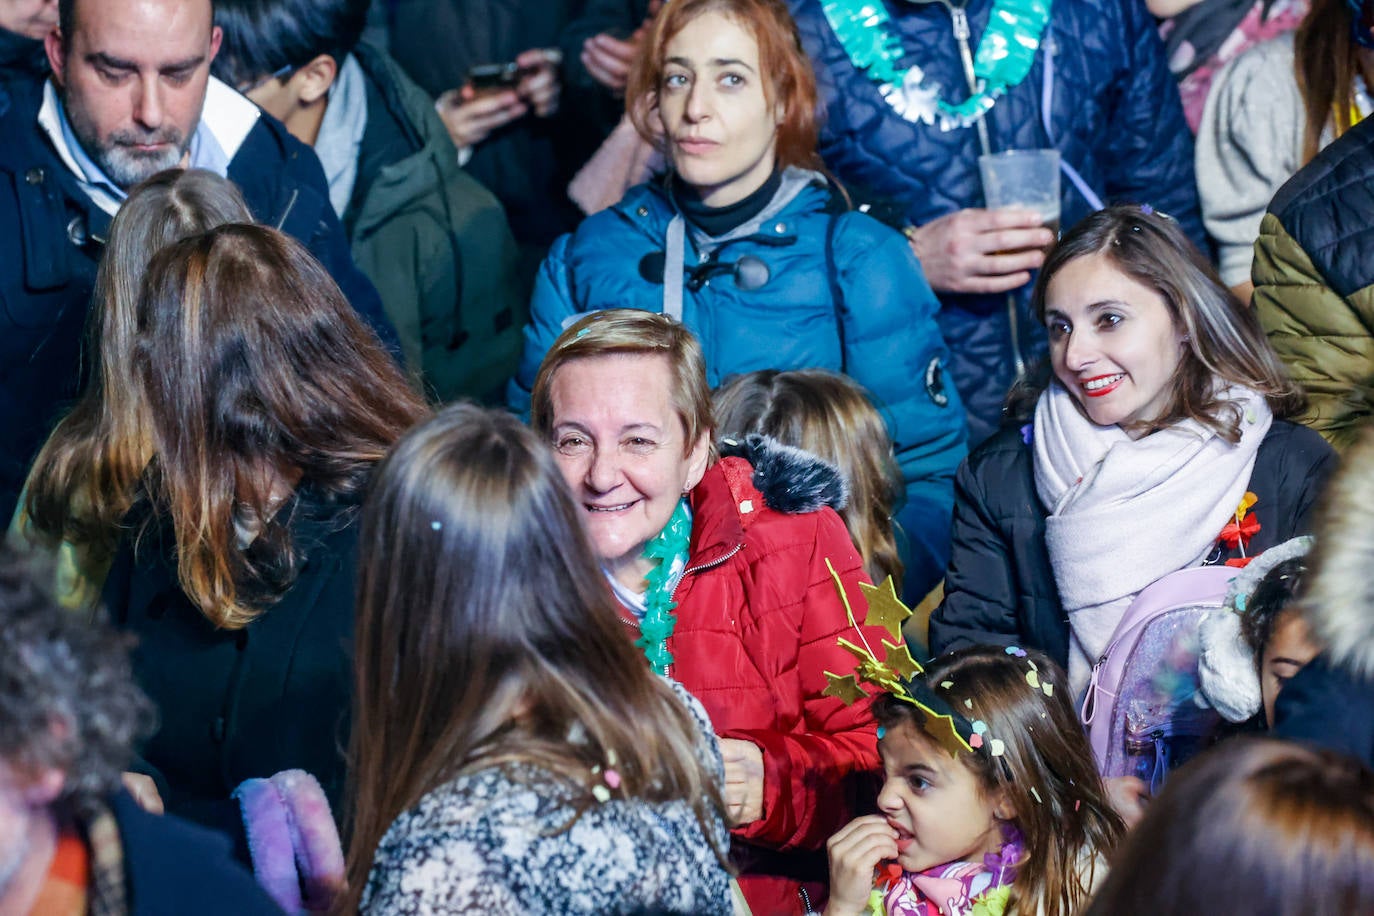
(1113, 342)
(934, 802)
(1290, 647)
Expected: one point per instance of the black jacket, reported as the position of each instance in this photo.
(238, 704)
(51, 238)
(174, 867)
(437, 41)
(21, 56)
(1000, 588)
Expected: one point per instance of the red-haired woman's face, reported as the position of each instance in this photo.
(720, 127)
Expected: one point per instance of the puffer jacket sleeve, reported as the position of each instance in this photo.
(1322, 337)
(980, 585)
(893, 347)
(1247, 146)
(810, 778)
(551, 306)
(1149, 154)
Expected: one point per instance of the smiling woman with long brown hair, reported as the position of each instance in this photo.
(267, 403)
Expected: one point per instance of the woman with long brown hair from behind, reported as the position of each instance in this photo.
(1255, 826)
(84, 479)
(268, 405)
(830, 416)
(511, 750)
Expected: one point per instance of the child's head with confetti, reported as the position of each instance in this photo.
(1027, 765)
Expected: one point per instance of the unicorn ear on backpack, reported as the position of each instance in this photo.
(1228, 672)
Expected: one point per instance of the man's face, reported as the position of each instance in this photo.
(132, 77)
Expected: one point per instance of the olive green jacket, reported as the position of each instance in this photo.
(437, 245)
(1314, 283)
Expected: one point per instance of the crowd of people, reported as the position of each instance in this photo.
(590, 456)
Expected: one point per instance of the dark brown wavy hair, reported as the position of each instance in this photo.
(1326, 61)
(1256, 825)
(486, 636)
(255, 369)
(788, 80)
(1046, 771)
(84, 479)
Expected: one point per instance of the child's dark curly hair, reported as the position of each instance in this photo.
(1273, 596)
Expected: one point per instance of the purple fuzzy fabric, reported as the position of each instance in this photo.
(297, 856)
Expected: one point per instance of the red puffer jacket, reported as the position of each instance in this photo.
(757, 622)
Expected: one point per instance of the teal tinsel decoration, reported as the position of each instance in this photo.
(669, 547)
(1003, 58)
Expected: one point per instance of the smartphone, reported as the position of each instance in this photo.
(494, 77)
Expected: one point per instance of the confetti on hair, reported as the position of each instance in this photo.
(882, 732)
(997, 747)
(437, 525)
(946, 684)
(1037, 796)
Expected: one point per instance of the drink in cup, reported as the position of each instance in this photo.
(1023, 179)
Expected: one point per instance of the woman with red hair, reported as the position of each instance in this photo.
(750, 245)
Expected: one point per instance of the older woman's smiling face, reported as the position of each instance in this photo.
(623, 451)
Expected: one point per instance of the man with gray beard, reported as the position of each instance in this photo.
(130, 95)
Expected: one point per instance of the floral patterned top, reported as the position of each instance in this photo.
(490, 842)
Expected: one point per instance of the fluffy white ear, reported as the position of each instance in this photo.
(1226, 667)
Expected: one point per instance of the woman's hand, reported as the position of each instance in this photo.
(609, 59)
(1128, 796)
(858, 849)
(470, 117)
(743, 780)
(144, 791)
(539, 87)
(981, 251)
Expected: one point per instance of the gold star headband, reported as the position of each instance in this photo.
(897, 672)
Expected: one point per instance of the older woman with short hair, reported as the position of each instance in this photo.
(732, 573)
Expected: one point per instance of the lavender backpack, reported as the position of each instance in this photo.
(1143, 711)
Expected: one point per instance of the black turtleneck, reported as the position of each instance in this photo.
(716, 221)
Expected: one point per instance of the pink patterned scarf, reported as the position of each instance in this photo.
(953, 889)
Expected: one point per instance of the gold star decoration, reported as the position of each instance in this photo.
(939, 727)
(899, 659)
(885, 609)
(845, 688)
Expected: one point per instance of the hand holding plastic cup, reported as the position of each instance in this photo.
(1026, 179)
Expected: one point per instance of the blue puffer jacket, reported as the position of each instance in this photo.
(1114, 116)
(844, 293)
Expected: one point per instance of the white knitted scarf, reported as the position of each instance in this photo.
(1123, 512)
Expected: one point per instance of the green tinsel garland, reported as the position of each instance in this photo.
(667, 547)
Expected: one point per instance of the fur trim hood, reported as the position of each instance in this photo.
(791, 480)
(1339, 604)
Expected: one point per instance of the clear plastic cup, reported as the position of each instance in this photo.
(1026, 179)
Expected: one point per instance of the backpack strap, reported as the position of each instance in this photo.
(836, 207)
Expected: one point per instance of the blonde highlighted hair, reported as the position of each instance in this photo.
(84, 479)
